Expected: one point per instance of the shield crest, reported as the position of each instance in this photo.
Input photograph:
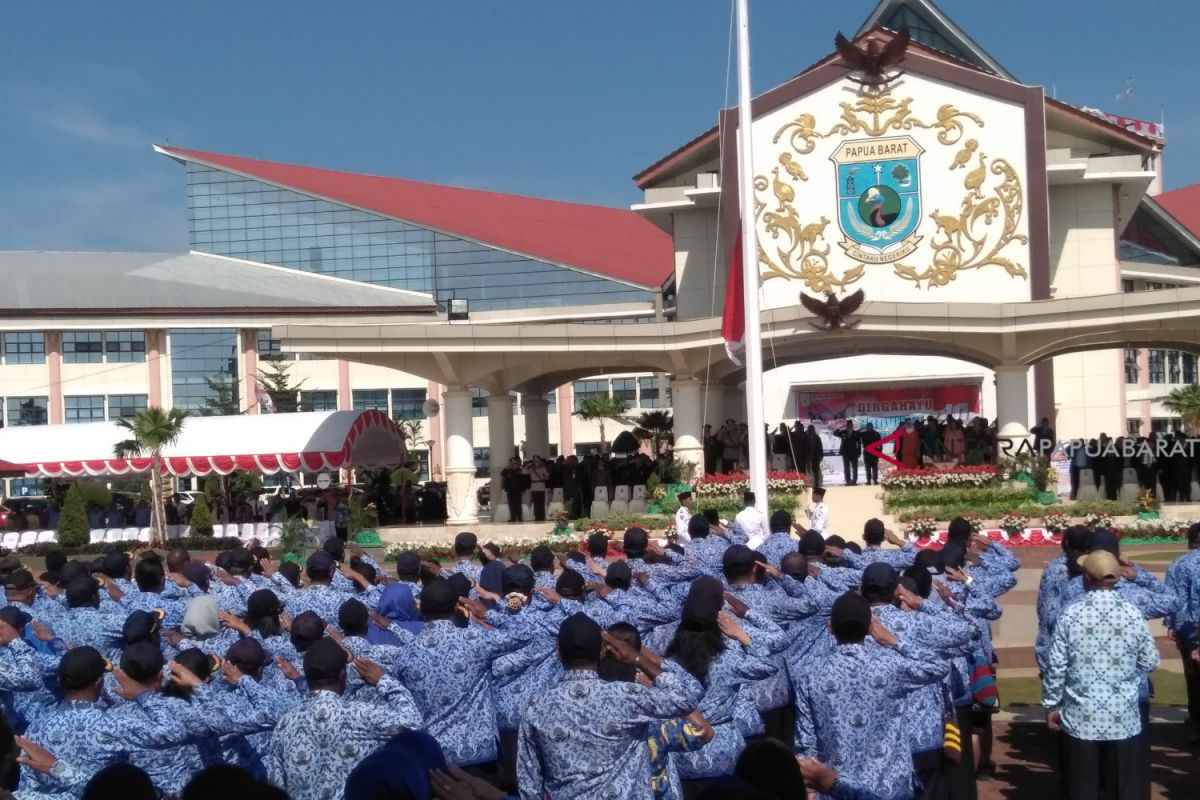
(879, 197)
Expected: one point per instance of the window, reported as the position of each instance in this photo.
(1127, 285)
(1133, 426)
(1131, 365)
(586, 389)
(28, 410)
(408, 403)
(82, 347)
(1173, 366)
(483, 460)
(25, 348)
(125, 347)
(648, 392)
(125, 406)
(1189, 367)
(321, 400)
(551, 401)
(204, 370)
(1158, 366)
(625, 389)
(369, 399)
(272, 349)
(85, 408)
(24, 487)
(1165, 424)
(479, 402)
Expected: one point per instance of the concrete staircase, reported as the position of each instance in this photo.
(851, 506)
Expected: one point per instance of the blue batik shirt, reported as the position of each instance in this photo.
(1049, 602)
(325, 600)
(709, 551)
(776, 546)
(772, 613)
(1183, 579)
(96, 628)
(899, 560)
(467, 567)
(849, 711)
(272, 697)
(586, 738)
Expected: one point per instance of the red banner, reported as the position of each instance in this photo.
(887, 408)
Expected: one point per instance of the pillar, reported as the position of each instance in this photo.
(54, 399)
(735, 406)
(500, 437)
(1012, 405)
(537, 426)
(154, 342)
(249, 378)
(345, 399)
(689, 420)
(712, 405)
(566, 419)
(433, 429)
(459, 450)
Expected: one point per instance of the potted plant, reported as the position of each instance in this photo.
(1056, 522)
(1147, 505)
(920, 527)
(1098, 519)
(1014, 524)
(562, 524)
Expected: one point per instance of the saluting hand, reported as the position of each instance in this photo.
(8, 633)
(735, 604)
(620, 650)
(231, 672)
(881, 634)
(183, 676)
(287, 668)
(368, 670)
(454, 784)
(729, 626)
(551, 596)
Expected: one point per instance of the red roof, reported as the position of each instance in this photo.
(610, 242)
(1184, 205)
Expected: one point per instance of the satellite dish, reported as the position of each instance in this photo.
(431, 408)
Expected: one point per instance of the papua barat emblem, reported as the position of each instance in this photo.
(879, 197)
(833, 313)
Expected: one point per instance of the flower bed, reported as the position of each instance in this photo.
(445, 551)
(896, 499)
(735, 483)
(971, 477)
(1170, 531)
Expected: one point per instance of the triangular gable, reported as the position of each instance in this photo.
(928, 25)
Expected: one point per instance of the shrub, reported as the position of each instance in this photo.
(294, 535)
(73, 523)
(941, 478)
(912, 498)
(202, 523)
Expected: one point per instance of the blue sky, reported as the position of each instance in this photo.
(556, 99)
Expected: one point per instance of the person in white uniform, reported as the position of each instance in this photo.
(682, 517)
(818, 513)
(753, 522)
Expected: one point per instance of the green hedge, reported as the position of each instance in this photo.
(1030, 508)
(730, 505)
(926, 498)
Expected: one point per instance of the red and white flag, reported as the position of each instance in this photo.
(733, 318)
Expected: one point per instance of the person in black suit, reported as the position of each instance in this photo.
(850, 449)
(870, 463)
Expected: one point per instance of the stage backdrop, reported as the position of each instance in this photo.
(886, 409)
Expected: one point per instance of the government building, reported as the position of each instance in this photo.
(1016, 256)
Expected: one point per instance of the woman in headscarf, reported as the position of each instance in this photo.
(400, 770)
(397, 605)
(202, 628)
(719, 653)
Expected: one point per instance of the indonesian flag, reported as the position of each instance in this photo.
(733, 319)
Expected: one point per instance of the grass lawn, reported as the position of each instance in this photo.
(1166, 556)
(1168, 690)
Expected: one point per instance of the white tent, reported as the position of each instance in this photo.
(268, 443)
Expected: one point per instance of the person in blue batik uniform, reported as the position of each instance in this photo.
(320, 597)
(85, 623)
(1183, 578)
(586, 737)
(317, 744)
(667, 570)
(541, 561)
(150, 594)
(849, 707)
(704, 546)
(874, 535)
(22, 591)
(448, 670)
(780, 542)
(634, 606)
(466, 545)
(272, 688)
(597, 552)
(1075, 543)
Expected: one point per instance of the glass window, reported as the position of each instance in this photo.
(479, 402)
(24, 487)
(625, 389)
(28, 347)
(85, 408)
(1165, 424)
(204, 370)
(369, 399)
(319, 400)
(483, 460)
(1131, 365)
(551, 401)
(125, 346)
(1173, 366)
(408, 403)
(588, 388)
(1158, 366)
(1189, 367)
(28, 411)
(1133, 426)
(648, 392)
(82, 347)
(1127, 285)
(125, 406)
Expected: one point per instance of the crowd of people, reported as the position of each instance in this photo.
(1165, 464)
(746, 661)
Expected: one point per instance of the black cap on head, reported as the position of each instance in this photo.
(818, 492)
(958, 530)
(851, 617)
(324, 661)
(20, 580)
(15, 617)
(438, 598)
(930, 561)
(319, 566)
(517, 578)
(460, 583)
(619, 575)
(198, 573)
(240, 560)
(683, 496)
(1104, 539)
(541, 558)
(579, 640)
(954, 554)
(263, 603)
(1077, 539)
(781, 522)
(55, 560)
(353, 617)
(82, 591)
(879, 582)
(246, 654)
(597, 545)
(738, 561)
(306, 629)
(636, 540)
(114, 565)
(335, 547)
(570, 584)
(81, 667)
(812, 543)
(698, 527)
(465, 542)
(873, 531)
(408, 564)
(143, 662)
(141, 626)
(70, 571)
(922, 580)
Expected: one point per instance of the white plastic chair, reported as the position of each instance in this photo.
(1087, 486)
(10, 540)
(27, 538)
(96, 536)
(114, 534)
(185, 531)
(247, 532)
(261, 531)
(600, 508)
(500, 512)
(143, 534)
(620, 501)
(173, 531)
(1129, 485)
(637, 503)
(779, 461)
(274, 531)
(232, 530)
(555, 503)
(527, 505)
(47, 536)
(129, 535)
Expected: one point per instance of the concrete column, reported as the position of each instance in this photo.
(712, 405)
(537, 426)
(248, 401)
(735, 406)
(1012, 404)
(345, 399)
(566, 419)
(54, 397)
(500, 437)
(154, 343)
(688, 415)
(460, 457)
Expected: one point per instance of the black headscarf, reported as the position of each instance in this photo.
(698, 639)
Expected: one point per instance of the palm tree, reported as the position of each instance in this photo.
(1185, 401)
(600, 407)
(149, 432)
(655, 426)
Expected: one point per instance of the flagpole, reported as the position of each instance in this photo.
(755, 422)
